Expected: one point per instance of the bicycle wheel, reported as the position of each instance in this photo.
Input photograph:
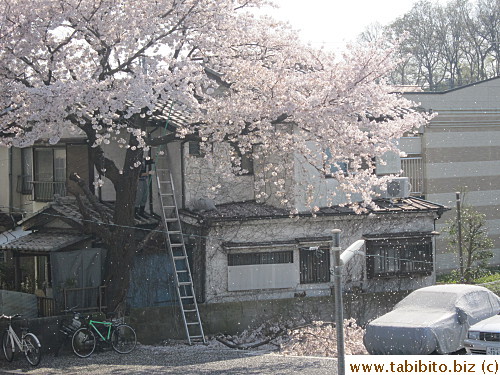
(32, 349)
(83, 342)
(8, 350)
(123, 339)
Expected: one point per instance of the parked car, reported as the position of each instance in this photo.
(484, 337)
(431, 319)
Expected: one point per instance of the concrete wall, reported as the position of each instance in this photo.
(288, 229)
(18, 303)
(461, 149)
(156, 324)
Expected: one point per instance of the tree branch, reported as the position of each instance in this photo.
(91, 197)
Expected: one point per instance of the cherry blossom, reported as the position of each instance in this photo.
(108, 68)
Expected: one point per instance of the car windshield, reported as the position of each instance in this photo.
(431, 300)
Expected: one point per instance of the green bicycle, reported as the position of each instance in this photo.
(120, 336)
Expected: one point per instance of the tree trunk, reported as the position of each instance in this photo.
(119, 262)
(122, 244)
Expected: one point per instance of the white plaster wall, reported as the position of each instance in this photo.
(286, 229)
(308, 178)
(202, 181)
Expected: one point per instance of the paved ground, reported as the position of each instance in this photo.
(185, 360)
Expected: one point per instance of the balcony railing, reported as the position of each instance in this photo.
(40, 191)
(413, 168)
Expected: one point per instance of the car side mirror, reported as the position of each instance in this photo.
(461, 316)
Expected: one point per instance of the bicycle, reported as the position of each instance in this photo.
(120, 336)
(28, 343)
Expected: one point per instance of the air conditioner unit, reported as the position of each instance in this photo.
(398, 187)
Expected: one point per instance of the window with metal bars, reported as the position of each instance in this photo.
(268, 257)
(314, 265)
(399, 257)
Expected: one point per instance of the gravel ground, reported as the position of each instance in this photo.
(174, 359)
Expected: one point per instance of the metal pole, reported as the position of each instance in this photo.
(339, 306)
(459, 234)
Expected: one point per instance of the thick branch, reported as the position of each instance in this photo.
(91, 197)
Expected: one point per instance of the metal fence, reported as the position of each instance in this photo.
(413, 168)
(40, 191)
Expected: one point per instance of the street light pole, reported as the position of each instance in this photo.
(339, 305)
(338, 261)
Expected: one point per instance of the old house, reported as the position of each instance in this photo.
(241, 247)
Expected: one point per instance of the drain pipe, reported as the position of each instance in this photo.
(338, 261)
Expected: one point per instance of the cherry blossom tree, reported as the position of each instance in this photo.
(104, 68)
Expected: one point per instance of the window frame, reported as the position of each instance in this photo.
(246, 161)
(399, 257)
(194, 149)
(319, 273)
(259, 257)
(343, 166)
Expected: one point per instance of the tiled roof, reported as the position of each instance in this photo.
(66, 209)
(253, 210)
(44, 242)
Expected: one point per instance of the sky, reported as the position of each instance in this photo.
(333, 23)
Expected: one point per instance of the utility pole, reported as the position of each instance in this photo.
(459, 234)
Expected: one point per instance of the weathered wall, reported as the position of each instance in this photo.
(288, 229)
(156, 324)
(202, 180)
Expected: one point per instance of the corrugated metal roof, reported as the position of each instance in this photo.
(44, 242)
(253, 210)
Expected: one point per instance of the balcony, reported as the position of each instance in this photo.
(40, 191)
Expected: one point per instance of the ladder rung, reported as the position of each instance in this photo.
(196, 337)
(176, 244)
(174, 232)
(166, 182)
(187, 297)
(181, 271)
(190, 311)
(192, 324)
(179, 257)
(167, 194)
(171, 219)
(185, 283)
(169, 206)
